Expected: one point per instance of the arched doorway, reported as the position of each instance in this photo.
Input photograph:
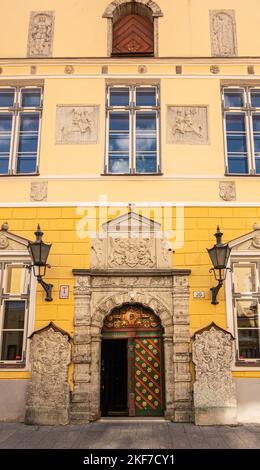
(132, 363)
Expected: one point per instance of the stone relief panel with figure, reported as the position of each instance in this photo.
(187, 125)
(77, 124)
(40, 37)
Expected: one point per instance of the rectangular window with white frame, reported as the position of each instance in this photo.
(246, 302)
(20, 123)
(241, 109)
(15, 283)
(132, 128)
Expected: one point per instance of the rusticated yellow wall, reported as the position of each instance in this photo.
(61, 226)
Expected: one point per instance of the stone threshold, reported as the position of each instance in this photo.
(127, 419)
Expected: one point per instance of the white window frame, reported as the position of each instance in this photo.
(248, 110)
(133, 109)
(30, 300)
(16, 112)
(246, 258)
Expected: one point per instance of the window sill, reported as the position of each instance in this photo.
(247, 365)
(242, 175)
(10, 367)
(132, 174)
(18, 174)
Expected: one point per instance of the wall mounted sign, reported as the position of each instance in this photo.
(64, 292)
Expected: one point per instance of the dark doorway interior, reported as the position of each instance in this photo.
(114, 377)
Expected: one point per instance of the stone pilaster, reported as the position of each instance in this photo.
(182, 401)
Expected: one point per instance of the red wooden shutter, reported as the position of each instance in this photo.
(133, 34)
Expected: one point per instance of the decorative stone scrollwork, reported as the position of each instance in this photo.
(227, 190)
(48, 391)
(39, 191)
(4, 242)
(187, 125)
(223, 32)
(40, 37)
(82, 285)
(131, 316)
(131, 253)
(214, 390)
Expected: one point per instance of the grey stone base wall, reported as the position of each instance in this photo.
(248, 400)
(12, 400)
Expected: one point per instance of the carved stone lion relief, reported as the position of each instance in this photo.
(77, 124)
(48, 391)
(187, 125)
(41, 29)
(223, 32)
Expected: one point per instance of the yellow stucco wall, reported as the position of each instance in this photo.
(69, 251)
(183, 29)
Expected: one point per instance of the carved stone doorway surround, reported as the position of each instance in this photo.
(97, 292)
(131, 263)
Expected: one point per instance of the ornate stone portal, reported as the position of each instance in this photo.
(131, 281)
(48, 391)
(214, 391)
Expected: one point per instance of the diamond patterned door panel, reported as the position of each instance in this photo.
(133, 34)
(148, 380)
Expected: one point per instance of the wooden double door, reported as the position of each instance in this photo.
(132, 372)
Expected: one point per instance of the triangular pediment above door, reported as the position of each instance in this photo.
(131, 221)
(10, 242)
(249, 242)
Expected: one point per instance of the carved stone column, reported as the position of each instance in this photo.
(214, 391)
(82, 352)
(182, 400)
(47, 399)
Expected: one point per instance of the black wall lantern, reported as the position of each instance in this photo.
(219, 256)
(39, 252)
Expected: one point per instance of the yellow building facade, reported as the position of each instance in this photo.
(137, 118)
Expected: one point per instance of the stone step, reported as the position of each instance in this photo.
(79, 417)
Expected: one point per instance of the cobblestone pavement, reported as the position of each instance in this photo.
(129, 435)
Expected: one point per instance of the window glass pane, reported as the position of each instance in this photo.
(14, 280)
(145, 121)
(28, 143)
(257, 143)
(26, 164)
(6, 98)
(118, 164)
(146, 144)
(257, 165)
(29, 122)
(235, 122)
(146, 163)
(14, 312)
(6, 122)
(12, 346)
(236, 143)
(31, 98)
(234, 99)
(118, 142)
(4, 163)
(119, 97)
(256, 122)
(244, 278)
(255, 98)
(248, 340)
(146, 97)
(5, 143)
(119, 121)
(247, 314)
(237, 165)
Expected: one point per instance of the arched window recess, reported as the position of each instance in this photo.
(133, 28)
